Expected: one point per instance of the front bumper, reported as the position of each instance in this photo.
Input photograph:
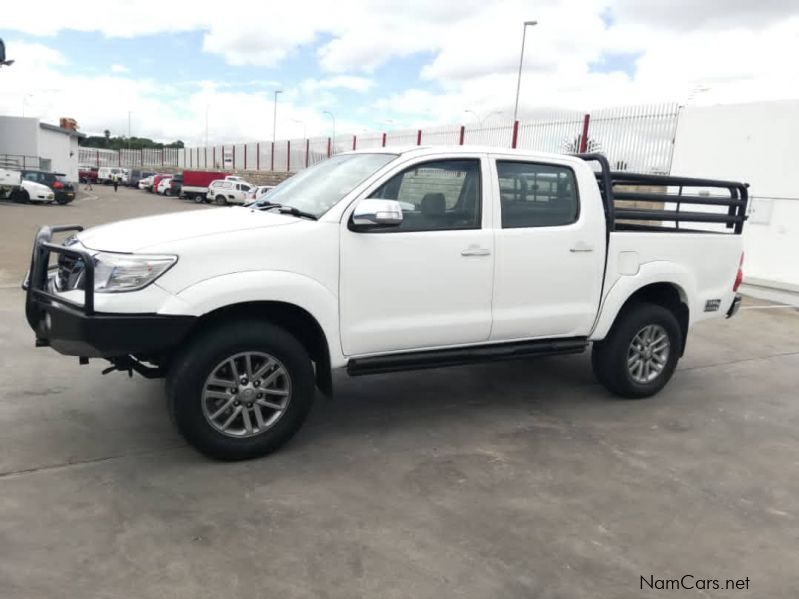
(64, 196)
(77, 329)
(735, 306)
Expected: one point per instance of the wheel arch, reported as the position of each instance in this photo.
(672, 292)
(290, 317)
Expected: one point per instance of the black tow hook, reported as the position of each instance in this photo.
(129, 364)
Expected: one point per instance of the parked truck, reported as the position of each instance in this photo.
(195, 183)
(382, 260)
(14, 187)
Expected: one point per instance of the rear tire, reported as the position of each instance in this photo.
(640, 353)
(208, 358)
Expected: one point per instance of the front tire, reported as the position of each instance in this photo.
(220, 200)
(640, 354)
(241, 390)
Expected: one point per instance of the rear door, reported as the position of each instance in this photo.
(550, 249)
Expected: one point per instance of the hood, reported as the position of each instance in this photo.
(33, 187)
(140, 233)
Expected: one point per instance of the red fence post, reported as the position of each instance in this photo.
(584, 136)
(213, 157)
(119, 157)
(384, 139)
(463, 133)
(307, 151)
(98, 158)
(515, 134)
(419, 137)
(245, 156)
(353, 141)
(272, 156)
(288, 155)
(141, 156)
(233, 161)
(258, 156)
(329, 147)
(162, 156)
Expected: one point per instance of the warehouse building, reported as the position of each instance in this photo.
(30, 143)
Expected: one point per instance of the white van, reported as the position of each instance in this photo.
(106, 174)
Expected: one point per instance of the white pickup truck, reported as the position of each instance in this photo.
(384, 260)
(18, 189)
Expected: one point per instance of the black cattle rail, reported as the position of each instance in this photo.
(735, 199)
(36, 284)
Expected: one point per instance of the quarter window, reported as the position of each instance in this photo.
(434, 196)
(536, 195)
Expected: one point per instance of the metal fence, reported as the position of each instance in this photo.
(20, 162)
(634, 138)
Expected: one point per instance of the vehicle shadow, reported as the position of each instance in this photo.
(451, 396)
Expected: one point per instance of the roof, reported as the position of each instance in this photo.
(57, 129)
(457, 149)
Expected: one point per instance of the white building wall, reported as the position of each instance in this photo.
(754, 143)
(18, 136)
(56, 147)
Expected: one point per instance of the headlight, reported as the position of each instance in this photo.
(128, 272)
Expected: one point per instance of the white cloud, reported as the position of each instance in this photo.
(738, 50)
(350, 82)
(119, 68)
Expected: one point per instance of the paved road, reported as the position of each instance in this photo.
(522, 479)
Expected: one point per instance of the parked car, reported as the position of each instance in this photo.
(175, 185)
(498, 254)
(87, 174)
(146, 183)
(163, 186)
(228, 192)
(195, 183)
(63, 189)
(137, 175)
(157, 178)
(18, 189)
(106, 174)
(257, 192)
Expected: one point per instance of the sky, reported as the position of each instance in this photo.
(375, 65)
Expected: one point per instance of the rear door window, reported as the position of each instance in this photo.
(536, 195)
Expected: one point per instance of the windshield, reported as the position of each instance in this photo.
(317, 189)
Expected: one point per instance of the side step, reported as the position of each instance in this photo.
(438, 358)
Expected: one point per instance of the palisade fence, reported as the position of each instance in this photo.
(634, 138)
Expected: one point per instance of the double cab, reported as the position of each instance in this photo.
(392, 259)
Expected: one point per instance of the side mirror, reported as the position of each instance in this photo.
(374, 213)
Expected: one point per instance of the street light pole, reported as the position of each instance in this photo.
(521, 61)
(334, 124)
(129, 113)
(274, 116)
(206, 127)
(24, 98)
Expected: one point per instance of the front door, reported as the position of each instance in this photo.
(426, 283)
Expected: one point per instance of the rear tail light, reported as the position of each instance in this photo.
(740, 276)
(58, 185)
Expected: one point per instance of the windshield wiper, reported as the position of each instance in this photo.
(286, 210)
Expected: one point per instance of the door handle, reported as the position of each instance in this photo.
(581, 247)
(473, 250)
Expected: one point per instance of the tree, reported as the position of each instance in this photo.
(107, 134)
(572, 146)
